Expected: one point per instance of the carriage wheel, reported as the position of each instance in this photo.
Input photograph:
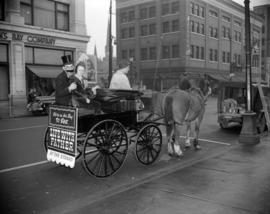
(105, 148)
(148, 144)
(46, 139)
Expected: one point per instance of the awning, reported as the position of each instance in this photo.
(45, 71)
(236, 78)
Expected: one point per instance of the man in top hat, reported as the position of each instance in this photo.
(63, 85)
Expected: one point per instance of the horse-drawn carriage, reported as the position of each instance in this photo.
(102, 139)
(231, 102)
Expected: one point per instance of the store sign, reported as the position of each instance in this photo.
(62, 144)
(28, 38)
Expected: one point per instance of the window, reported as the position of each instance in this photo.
(152, 53)
(47, 56)
(152, 11)
(62, 16)
(143, 53)
(213, 13)
(202, 11)
(228, 57)
(165, 52)
(228, 33)
(45, 13)
(197, 52)
(192, 8)
(192, 26)
(175, 25)
(202, 29)
(143, 13)
(144, 30)
(3, 53)
(152, 29)
(237, 36)
(197, 12)
(237, 23)
(192, 51)
(223, 32)
(175, 51)
(239, 59)
(131, 53)
(26, 11)
(226, 18)
(216, 55)
(166, 27)
(175, 7)
(131, 15)
(211, 58)
(2, 10)
(131, 32)
(165, 9)
(196, 27)
(123, 17)
(124, 54)
(124, 33)
(202, 52)
(235, 58)
(223, 56)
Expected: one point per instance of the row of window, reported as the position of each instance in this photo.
(170, 8)
(150, 29)
(197, 10)
(149, 12)
(45, 13)
(197, 52)
(197, 27)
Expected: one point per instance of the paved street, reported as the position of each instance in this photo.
(223, 177)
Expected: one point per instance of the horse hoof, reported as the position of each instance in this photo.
(197, 147)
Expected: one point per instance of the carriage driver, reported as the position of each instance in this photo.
(119, 79)
(63, 85)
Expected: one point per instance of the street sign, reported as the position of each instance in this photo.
(62, 144)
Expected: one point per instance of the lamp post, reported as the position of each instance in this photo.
(110, 44)
(248, 133)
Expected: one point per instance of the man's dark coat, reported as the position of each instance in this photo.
(62, 94)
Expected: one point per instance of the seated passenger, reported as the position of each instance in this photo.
(63, 86)
(81, 95)
(120, 80)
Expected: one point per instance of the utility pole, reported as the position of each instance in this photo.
(249, 134)
(110, 44)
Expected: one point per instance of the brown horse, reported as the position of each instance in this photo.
(181, 107)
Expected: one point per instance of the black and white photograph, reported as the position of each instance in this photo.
(134, 106)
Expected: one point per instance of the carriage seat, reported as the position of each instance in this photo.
(114, 100)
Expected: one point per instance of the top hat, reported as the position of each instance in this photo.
(68, 63)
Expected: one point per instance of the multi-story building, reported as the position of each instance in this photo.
(34, 34)
(167, 37)
(264, 10)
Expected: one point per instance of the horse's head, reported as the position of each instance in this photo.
(204, 85)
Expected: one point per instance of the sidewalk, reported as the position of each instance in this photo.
(237, 182)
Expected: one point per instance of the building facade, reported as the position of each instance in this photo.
(264, 10)
(34, 34)
(168, 37)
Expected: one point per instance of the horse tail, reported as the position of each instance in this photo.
(168, 110)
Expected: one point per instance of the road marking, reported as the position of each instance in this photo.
(23, 166)
(207, 140)
(23, 128)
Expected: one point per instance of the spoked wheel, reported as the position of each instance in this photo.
(46, 139)
(148, 144)
(105, 148)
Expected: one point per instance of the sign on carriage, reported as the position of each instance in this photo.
(62, 143)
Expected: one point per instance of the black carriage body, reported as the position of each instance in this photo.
(127, 119)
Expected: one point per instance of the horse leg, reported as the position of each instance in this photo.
(197, 130)
(177, 144)
(187, 141)
(170, 138)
